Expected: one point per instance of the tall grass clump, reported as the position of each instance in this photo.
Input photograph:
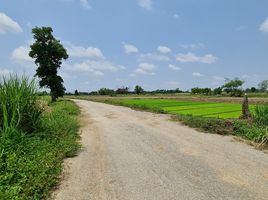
(261, 115)
(31, 164)
(19, 108)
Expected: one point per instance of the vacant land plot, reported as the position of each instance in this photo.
(204, 109)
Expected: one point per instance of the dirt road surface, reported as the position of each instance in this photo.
(133, 155)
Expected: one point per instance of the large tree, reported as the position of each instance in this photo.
(233, 87)
(48, 54)
(138, 89)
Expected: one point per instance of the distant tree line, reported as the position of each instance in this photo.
(231, 87)
(126, 90)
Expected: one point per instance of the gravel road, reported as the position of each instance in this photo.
(133, 155)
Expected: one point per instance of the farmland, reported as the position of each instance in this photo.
(202, 109)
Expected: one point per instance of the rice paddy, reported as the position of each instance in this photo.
(202, 109)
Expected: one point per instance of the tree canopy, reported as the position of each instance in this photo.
(234, 87)
(48, 54)
(138, 89)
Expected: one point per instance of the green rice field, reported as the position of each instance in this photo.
(202, 109)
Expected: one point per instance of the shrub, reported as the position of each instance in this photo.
(261, 115)
(250, 131)
(18, 104)
(30, 165)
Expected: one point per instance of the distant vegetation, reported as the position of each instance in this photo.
(126, 90)
(231, 88)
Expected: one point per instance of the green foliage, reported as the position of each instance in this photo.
(212, 125)
(233, 87)
(30, 165)
(122, 90)
(138, 89)
(263, 86)
(217, 91)
(205, 91)
(48, 54)
(239, 128)
(253, 89)
(260, 116)
(250, 131)
(19, 107)
(106, 91)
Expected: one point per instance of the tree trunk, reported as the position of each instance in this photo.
(53, 98)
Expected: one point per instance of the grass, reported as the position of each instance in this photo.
(31, 161)
(261, 115)
(203, 109)
(18, 104)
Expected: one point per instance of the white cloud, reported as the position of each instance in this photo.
(173, 83)
(145, 69)
(164, 49)
(85, 4)
(174, 67)
(8, 25)
(218, 78)
(122, 67)
(197, 74)
(21, 55)
(192, 46)
(147, 66)
(96, 67)
(85, 52)
(153, 57)
(264, 26)
(65, 75)
(146, 4)
(129, 48)
(192, 58)
(5, 72)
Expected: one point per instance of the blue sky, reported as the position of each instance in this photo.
(153, 43)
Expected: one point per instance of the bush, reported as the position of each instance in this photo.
(261, 115)
(30, 165)
(18, 104)
(239, 128)
(250, 131)
(211, 125)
